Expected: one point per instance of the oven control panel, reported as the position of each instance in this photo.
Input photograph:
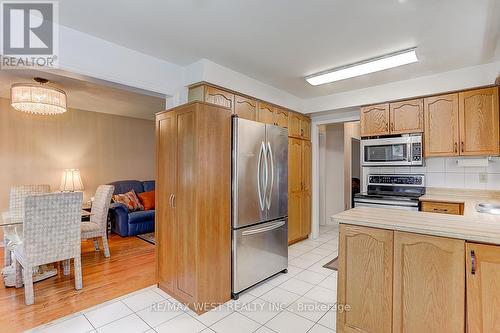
(396, 180)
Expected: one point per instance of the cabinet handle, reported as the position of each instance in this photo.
(302, 132)
(456, 147)
(392, 126)
(173, 200)
(462, 146)
(473, 262)
(386, 127)
(440, 209)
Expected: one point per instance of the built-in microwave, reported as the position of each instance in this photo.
(404, 150)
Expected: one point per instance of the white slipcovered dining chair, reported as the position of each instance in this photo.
(51, 233)
(13, 234)
(97, 226)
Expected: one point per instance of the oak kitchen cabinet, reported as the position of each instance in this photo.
(483, 289)
(192, 222)
(265, 113)
(454, 208)
(429, 284)
(406, 282)
(392, 118)
(462, 124)
(365, 280)
(299, 126)
(245, 108)
(299, 189)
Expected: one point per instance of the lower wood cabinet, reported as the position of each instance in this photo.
(365, 280)
(453, 208)
(193, 149)
(403, 282)
(429, 284)
(483, 288)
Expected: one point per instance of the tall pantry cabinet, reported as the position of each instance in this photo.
(193, 204)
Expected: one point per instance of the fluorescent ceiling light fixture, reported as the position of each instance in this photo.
(365, 67)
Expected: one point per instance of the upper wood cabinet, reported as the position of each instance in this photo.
(218, 96)
(479, 122)
(281, 117)
(245, 108)
(441, 135)
(365, 280)
(374, 120)
(305, 128)
(429, 284)
(265, 113)
(407, 117)
(294, 124)
(483, 288)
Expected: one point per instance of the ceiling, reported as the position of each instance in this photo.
(89, 96)
(281, 41)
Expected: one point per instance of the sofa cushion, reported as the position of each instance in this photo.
(130, 200)
(124, 186)
(141, 216)
(147, 199)
(149, 185)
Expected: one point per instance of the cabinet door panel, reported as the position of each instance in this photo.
(365, 280)
(441, 136)
(306, 165)
(479, 122)
(305, 126)
(185, 202)
(407, 117)
(245, 108)
(294, 216)
(305, 213)
(281, 118)
(294, 124)
(483, 289)
(374, 120)
(218, 96)
(429, 284)
(265, 113)
(165, 185)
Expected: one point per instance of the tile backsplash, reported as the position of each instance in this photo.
(444, 172)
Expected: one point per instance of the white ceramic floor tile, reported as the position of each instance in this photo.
(330, 282)
(260, 310)
(162, 293)
(310, 277)
(261, 289)
(280, 296)
(287, 322)
(279, 279)
(129, 324)
(297, 286)
(320, 329)
(264, 329)
(301, 263)
(292, 271)
(329, 319)
(160, 313)
(211, 317)
(309, 309)
(318, 268)
(311, 257)
(181, 324)
(78, 324)
(143, 300)
(236, 322)
(322, 295)
(320, 251)
(243, 299)
(108, 313)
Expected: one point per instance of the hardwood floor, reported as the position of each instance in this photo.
(131, 267)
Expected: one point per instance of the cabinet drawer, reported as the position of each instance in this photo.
(442, 207)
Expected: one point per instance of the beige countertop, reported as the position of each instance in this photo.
(472, 226)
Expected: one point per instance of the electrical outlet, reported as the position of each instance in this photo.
(483, 177)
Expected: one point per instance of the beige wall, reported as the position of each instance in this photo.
(334, 169)
(36, 149)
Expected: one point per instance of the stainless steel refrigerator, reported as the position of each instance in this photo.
(259, 203)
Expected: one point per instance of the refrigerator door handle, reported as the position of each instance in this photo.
(259, 176)
(269, 197)
(265, 229)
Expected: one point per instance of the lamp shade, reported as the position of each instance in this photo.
(71, 181)
(38, 99)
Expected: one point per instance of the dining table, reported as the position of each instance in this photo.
(41, 272)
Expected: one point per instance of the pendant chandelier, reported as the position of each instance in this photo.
(38, 98)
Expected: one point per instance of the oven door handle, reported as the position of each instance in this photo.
(409, 152)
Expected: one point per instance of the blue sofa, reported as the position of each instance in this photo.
(127, 223)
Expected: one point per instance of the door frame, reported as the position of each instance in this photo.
(342, 117)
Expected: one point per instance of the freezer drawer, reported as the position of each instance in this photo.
(259, 252)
